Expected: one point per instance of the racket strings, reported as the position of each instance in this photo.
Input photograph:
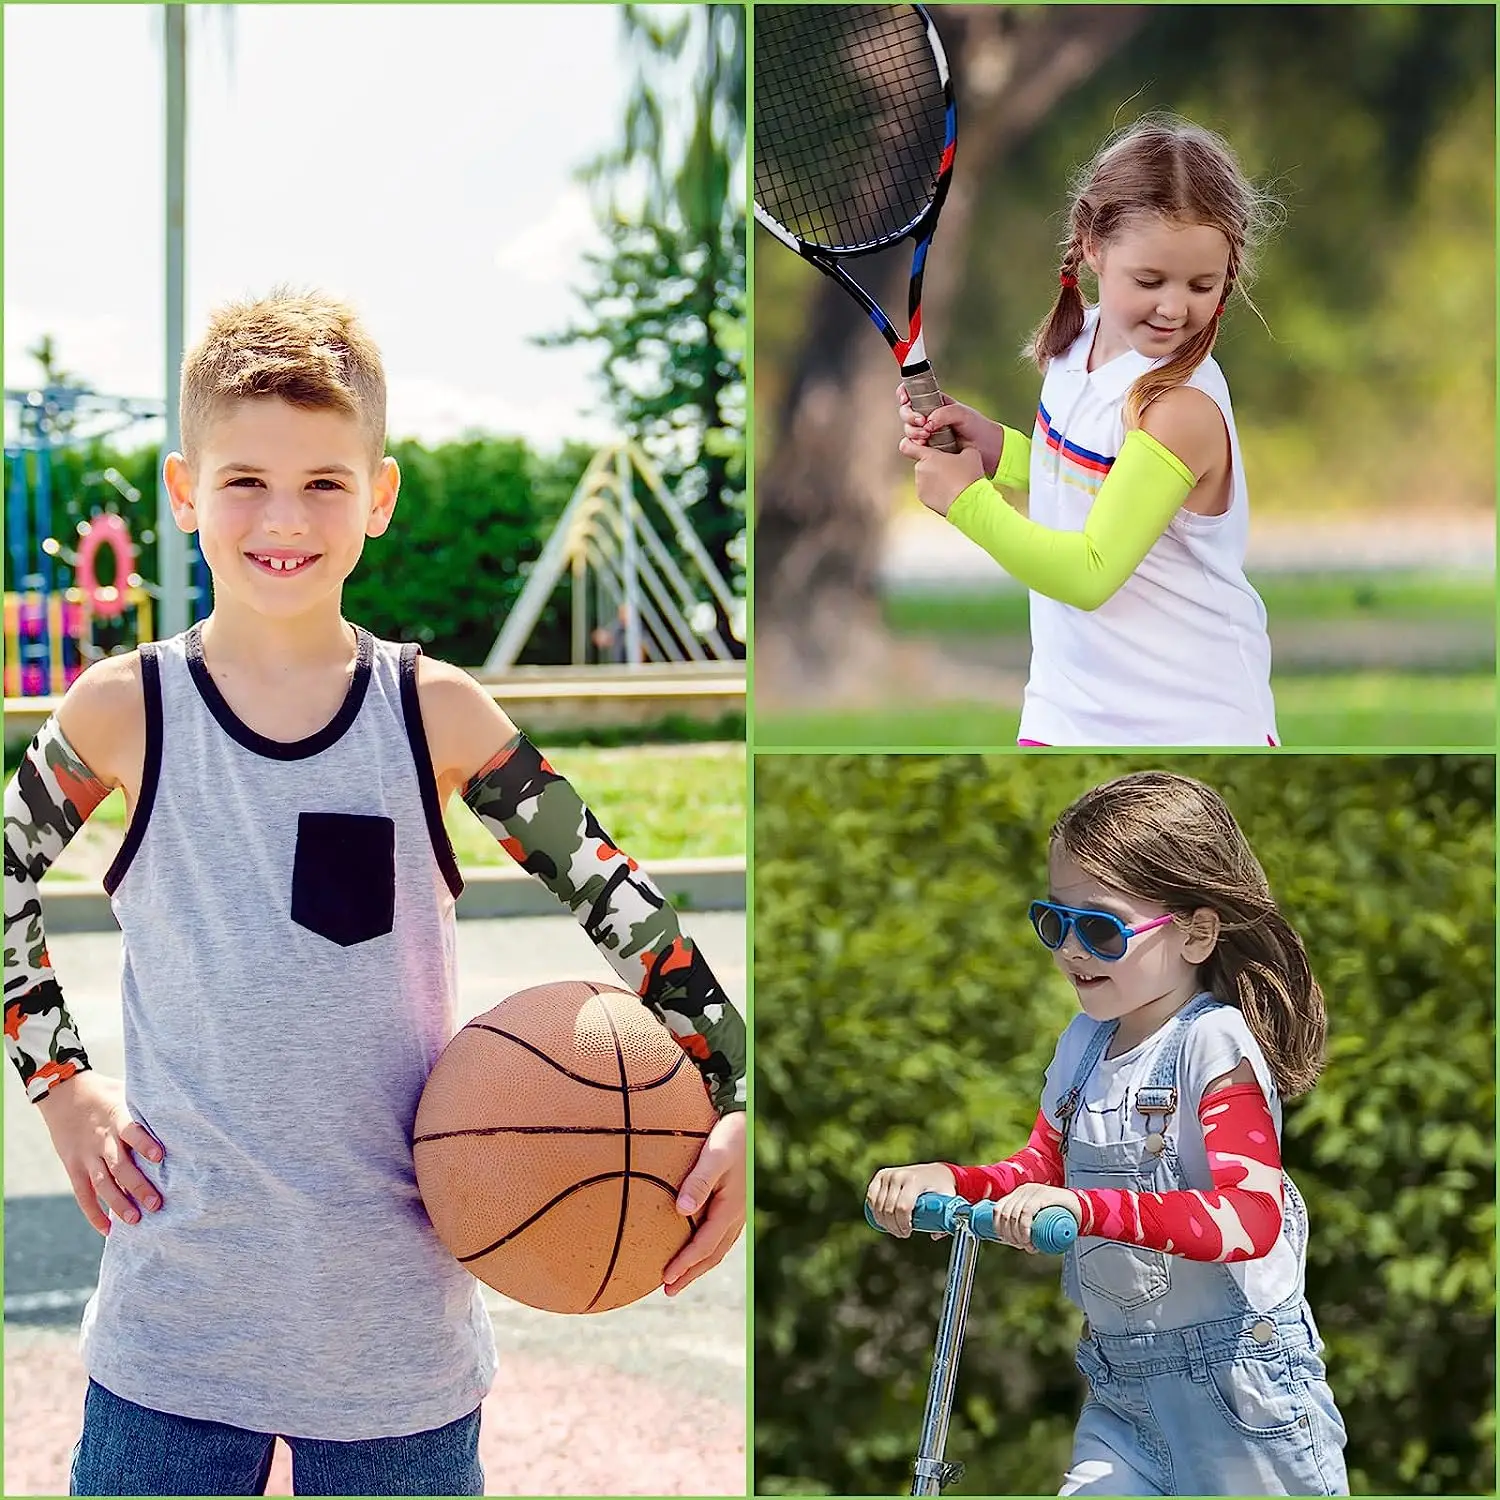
(850, 121)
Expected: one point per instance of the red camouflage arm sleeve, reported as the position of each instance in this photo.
(1239, 1220)
(1039, 1160)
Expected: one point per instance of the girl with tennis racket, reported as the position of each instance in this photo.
(1160, 1130)
(1144, 628)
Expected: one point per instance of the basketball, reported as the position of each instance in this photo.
(551, 1140)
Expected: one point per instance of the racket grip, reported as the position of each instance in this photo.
(922, 390)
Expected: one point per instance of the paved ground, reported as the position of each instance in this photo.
(649, 1399)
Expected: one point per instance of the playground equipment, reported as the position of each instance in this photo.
(51, 626)
(49, 638)
(645, 606)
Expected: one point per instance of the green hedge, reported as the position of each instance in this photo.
(472, 519)
(904, 1012)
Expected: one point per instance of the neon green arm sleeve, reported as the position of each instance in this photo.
(1013, 472)
(1142, 492)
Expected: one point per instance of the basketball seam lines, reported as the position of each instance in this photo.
(614, 1254)
(651, 1083)
(568, 1192)
(445, 1135)
(627, 1131)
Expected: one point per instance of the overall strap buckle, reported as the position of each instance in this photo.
(1156, 1101)
(1066, 1109)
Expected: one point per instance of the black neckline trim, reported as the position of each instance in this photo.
(242, 734)
(150, 770)
(416, 737)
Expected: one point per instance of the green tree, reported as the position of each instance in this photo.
(667, 299)
(44, 352)
(905, 1012)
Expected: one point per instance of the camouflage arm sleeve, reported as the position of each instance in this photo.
(542, 823)
(47, 802)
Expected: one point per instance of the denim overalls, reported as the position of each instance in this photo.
(1191, 1390)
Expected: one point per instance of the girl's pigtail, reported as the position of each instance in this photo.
(1065, 322)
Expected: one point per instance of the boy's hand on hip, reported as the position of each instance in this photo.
(718, 1180)
(96, 1140)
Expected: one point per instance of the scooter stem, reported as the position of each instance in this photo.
(931, 1474)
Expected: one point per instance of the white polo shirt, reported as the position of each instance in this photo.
(1179, 655)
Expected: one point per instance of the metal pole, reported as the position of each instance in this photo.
(930, 1473)
(631, 567)
(171, 544)
(580, 610)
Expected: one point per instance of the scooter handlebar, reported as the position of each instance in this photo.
(1052, 1230)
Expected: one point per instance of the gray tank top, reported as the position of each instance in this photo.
(288, 982)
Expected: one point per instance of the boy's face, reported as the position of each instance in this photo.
(1160, 965)
(282, 501)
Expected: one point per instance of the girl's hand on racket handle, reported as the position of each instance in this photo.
(943, 477)
(972, 429)
(718, 1180)
(893, 1191)
(1016, 1210)
(96, 1139)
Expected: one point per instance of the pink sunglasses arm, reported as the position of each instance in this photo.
(1147, 926)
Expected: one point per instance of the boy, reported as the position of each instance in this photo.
(285, 892)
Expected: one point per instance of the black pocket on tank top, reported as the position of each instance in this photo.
(344, 876)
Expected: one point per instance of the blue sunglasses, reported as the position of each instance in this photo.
(1101, 933)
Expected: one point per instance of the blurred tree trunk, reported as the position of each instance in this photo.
(823, 498)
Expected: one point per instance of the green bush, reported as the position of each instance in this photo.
(905, 1012)
(472, 519)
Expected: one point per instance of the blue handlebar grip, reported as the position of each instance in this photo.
(1052, 1230)
(932, 1213)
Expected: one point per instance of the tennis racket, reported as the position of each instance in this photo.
(855, 131)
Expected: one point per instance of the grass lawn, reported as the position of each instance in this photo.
(1320, 706)
(1289, 599)
(1345, 711)
(658, 801)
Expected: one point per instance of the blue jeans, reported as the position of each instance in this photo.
(131, 1450)
(1208, 1411)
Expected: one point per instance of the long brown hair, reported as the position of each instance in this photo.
(1171, 840)
(1169, 169)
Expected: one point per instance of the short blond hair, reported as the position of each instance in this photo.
(307, 348)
